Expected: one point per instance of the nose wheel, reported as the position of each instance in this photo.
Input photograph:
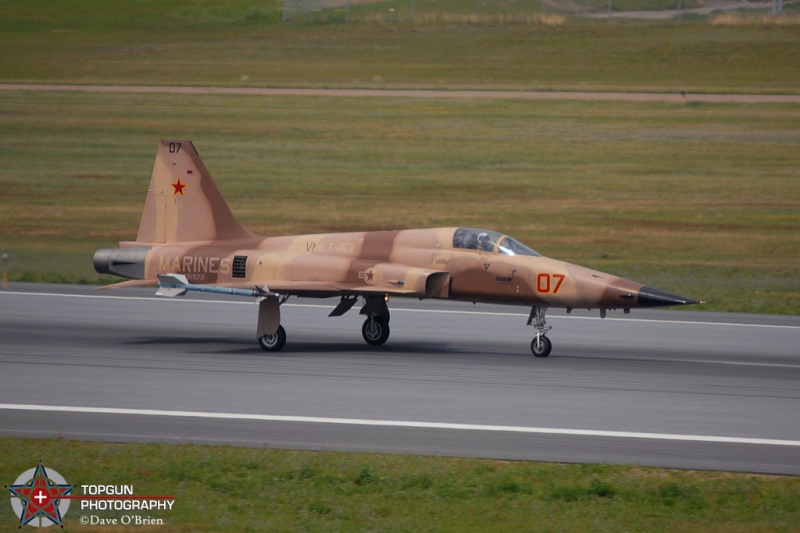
(540, 345)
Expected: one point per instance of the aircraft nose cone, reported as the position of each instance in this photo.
(651, 297)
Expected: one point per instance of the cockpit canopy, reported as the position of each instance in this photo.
(489, 241)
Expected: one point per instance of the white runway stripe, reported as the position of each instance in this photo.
(402, 424)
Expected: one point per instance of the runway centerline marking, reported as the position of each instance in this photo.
(401, 424)
(404, 310)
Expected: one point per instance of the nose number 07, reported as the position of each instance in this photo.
(549, 283)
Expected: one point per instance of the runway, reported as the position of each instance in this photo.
(661, 388)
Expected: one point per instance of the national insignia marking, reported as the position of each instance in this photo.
(178, 188)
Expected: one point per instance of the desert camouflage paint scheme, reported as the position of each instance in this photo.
(189, 240)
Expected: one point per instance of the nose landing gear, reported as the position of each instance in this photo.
(541, 345)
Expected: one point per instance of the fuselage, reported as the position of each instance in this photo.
(454, 263)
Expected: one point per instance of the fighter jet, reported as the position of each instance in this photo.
(189, 240)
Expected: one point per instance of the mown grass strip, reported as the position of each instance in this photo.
(236, 43)
(220, 488)
(700, 200)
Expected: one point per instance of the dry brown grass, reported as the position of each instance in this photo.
(470, 19)
(755, 19)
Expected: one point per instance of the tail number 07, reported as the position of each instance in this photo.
(549, 283)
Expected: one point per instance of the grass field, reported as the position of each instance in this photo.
(241, 43)
(229, 489)
(701, 200)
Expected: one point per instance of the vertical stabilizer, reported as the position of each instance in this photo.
(183, 204)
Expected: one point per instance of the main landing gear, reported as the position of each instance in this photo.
(272, 337)
(274, 342)
(375, 329)
(540, 345)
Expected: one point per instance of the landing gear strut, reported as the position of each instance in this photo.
(540, 345)
(270, 334)
(376, 327)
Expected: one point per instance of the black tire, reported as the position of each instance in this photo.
(383, 314)
(543, 347)
(273, 343)
(375, 332)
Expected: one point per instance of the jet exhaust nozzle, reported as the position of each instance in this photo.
(124, 262)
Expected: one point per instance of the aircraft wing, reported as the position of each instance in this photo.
(414, 282)
(338, 278)
(324, 289)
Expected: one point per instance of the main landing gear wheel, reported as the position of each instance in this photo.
(375, 332)
(541, 346)
(273, 343)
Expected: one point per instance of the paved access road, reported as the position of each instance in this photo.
(679, 389)
(417, 93)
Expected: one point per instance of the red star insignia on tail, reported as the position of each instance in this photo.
(178, 188)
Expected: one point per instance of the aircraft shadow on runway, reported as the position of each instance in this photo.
(239, 346)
